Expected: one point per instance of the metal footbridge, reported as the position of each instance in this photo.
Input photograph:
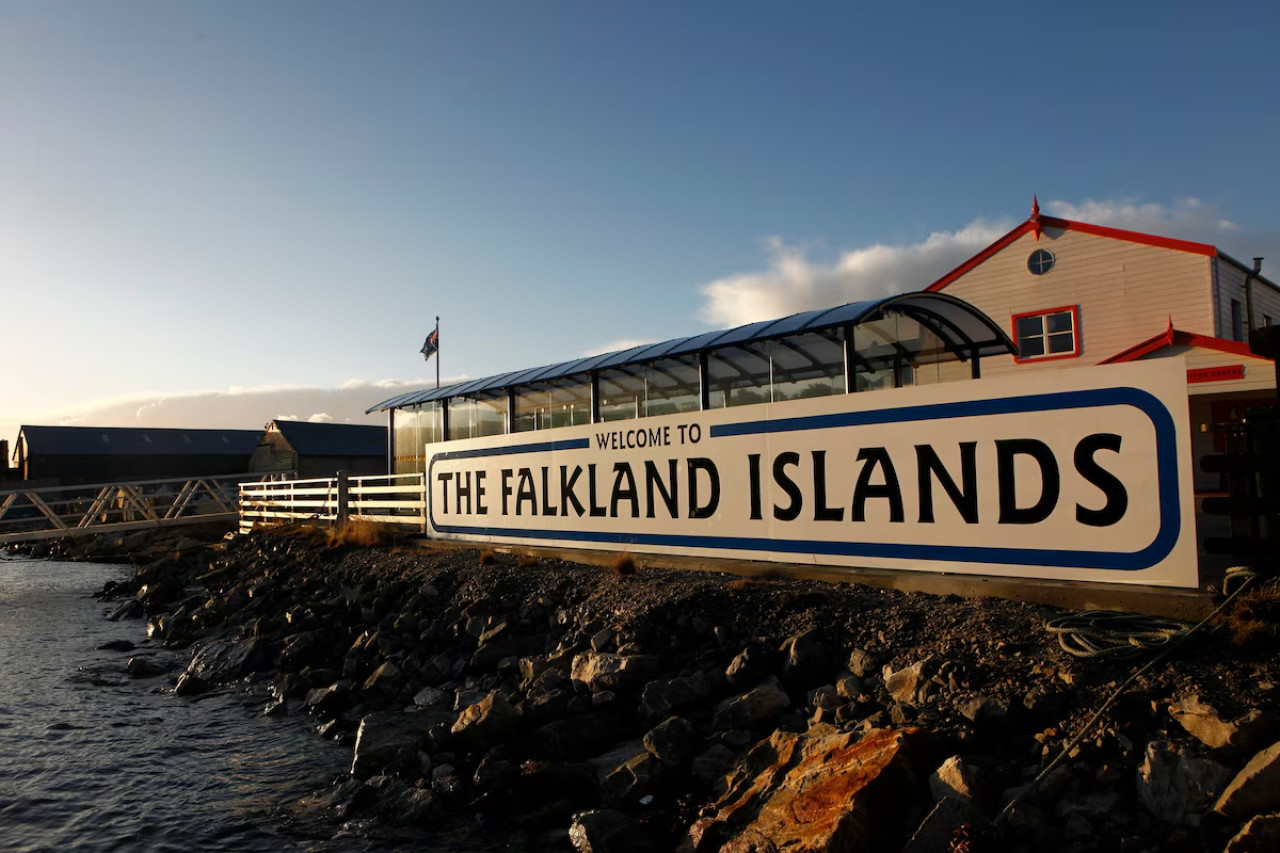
(28, 515)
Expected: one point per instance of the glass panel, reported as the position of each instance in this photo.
(471, 417)
(570, 402)
(740, 374)
(808, 365)
(1060, 322)
(1062, 343)
(1028, 326)
(415, 427)
(532, 403)
(490, 414)
(1031, 346)
(622, 394)
(672, 385)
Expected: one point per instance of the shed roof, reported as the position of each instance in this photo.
(326, 439)
(139, 441)
(960, 324)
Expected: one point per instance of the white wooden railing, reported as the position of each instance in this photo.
(388, 499)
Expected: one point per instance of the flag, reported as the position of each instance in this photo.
(432, 344)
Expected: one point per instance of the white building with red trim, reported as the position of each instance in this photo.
(1073, 294)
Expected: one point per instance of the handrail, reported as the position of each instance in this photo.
(336, 499)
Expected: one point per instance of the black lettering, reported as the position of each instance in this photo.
(696, 509)
(653, 482)
(928, 466)
(547, 507)
(792, 510)
(463, 491)
(444, 477)
(506, 489)
(877, 457)
(567, 494)
(526, 492)
(622, 471)
(481, 509)
(822, 512)
(597, 511)
(1109, 484)
(753, 470)
(1006, 477)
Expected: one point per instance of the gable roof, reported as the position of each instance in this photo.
(324, 439)
(139, 441)
(1037, 223)
(1173, 337)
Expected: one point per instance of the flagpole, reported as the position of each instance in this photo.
(437, 352)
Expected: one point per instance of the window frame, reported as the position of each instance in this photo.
(1074, 310)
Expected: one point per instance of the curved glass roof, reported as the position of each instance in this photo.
(965, 330)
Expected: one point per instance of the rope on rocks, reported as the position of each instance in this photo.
(1243, 574)
(1107, 634)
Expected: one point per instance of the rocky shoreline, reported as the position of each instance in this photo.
(553, 706)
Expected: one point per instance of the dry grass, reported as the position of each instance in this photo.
(623, 565)
(524, 561)
(363, 534)
(488, 558)
(1255, 618)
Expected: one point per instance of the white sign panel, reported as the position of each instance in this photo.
(1079, 474)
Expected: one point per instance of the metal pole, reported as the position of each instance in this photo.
(437, 351)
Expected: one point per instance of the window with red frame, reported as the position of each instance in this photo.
(1047, 334)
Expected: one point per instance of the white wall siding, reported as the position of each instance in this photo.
(1266, 299)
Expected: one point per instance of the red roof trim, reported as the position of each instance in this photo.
(982, 256)
(1169, 337)
(1038, 223)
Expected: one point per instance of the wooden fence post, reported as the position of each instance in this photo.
(344, 498)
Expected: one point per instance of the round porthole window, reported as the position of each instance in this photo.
(1040, 262)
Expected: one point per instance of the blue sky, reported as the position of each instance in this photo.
(220, 213)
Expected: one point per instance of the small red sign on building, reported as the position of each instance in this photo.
(1215, 374)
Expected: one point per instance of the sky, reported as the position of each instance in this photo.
(220, 213)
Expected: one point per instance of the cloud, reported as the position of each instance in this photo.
(795, 283)
(1187, 218)
(618, 346)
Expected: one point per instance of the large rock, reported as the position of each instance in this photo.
(671, 741)
(1178, 786)
(937, 831)
(1255, 789)
(956, 780)
(487, 657)
(489, 721)
(834, 793)
(750, 665)
(909, 684)
(574, 738)
(383, 734)
(662, 696)
(806, 659)
(223, 660)
(1260, 835)
(613, 672)
(754, 709)
(607, 831)
(1205, 723)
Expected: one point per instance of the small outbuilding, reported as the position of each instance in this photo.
(320, 449)
(68, 456)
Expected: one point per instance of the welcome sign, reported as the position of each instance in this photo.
(1079, 474)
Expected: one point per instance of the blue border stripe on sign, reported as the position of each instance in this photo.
(1159, 548)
